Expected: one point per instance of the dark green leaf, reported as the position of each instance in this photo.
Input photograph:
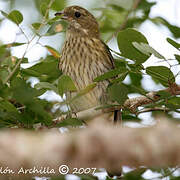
(174, 100)
(125, 39)
(45, 70)
(161, 73)
(15, 16)
(108, 75)
(120, 77)
(118, 92)
(135, 174)
(65, 84)
(173, 43)
(163, 94)
(8, 106)
(22, 91)
(3, 75)
(135, 78)
(177, 58)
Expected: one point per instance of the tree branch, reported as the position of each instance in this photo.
(151, 97)
(94, 147)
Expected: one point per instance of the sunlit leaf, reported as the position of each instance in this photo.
(53, 51)
(36, 25)
(148, 50)
(15, 16)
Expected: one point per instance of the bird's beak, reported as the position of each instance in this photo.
(62, 14)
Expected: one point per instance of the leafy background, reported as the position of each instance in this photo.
(31, 84)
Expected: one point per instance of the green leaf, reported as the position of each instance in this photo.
(14, 44)
(3, 75)
(175, 30)
(8, 106)
(118, 92)
(15, 16)
(46, 85)
(84, 91)
(56, 27)
(163, 94)
(36, 25)
(53, 51)
(177, 58)
(70, 122)
(22, 91)
(124, 4)
(45, 70)
(108, 75)
(120, 78)
(58, 5)
(162, 74)
(43, 8)
(173, 43)
(125, 39)
(4, 13)
(148, 50)
(175, 100)
(65, 84)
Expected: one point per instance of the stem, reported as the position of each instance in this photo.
(29, 42)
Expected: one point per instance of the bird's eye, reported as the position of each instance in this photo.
(77, 14)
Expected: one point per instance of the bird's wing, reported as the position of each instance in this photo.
(109, 55)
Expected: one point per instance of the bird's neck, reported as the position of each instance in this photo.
(80, 32)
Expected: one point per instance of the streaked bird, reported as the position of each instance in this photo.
(84, 57)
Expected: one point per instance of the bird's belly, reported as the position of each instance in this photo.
(82, 78)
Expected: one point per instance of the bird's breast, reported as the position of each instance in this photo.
(84, 59)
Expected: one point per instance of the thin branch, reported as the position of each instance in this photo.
(153, 109)
(29, 42)
(133, 103)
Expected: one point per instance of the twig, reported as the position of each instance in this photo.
(29, 42)
(152, 109)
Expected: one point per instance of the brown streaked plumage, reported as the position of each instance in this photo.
(84, 56)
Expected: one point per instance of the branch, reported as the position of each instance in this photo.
(133, 103)
(94, 147)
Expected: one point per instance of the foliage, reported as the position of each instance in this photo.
(20, 102)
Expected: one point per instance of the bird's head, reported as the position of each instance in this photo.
(81, 22)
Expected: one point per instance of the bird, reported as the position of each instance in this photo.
(84, 57)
